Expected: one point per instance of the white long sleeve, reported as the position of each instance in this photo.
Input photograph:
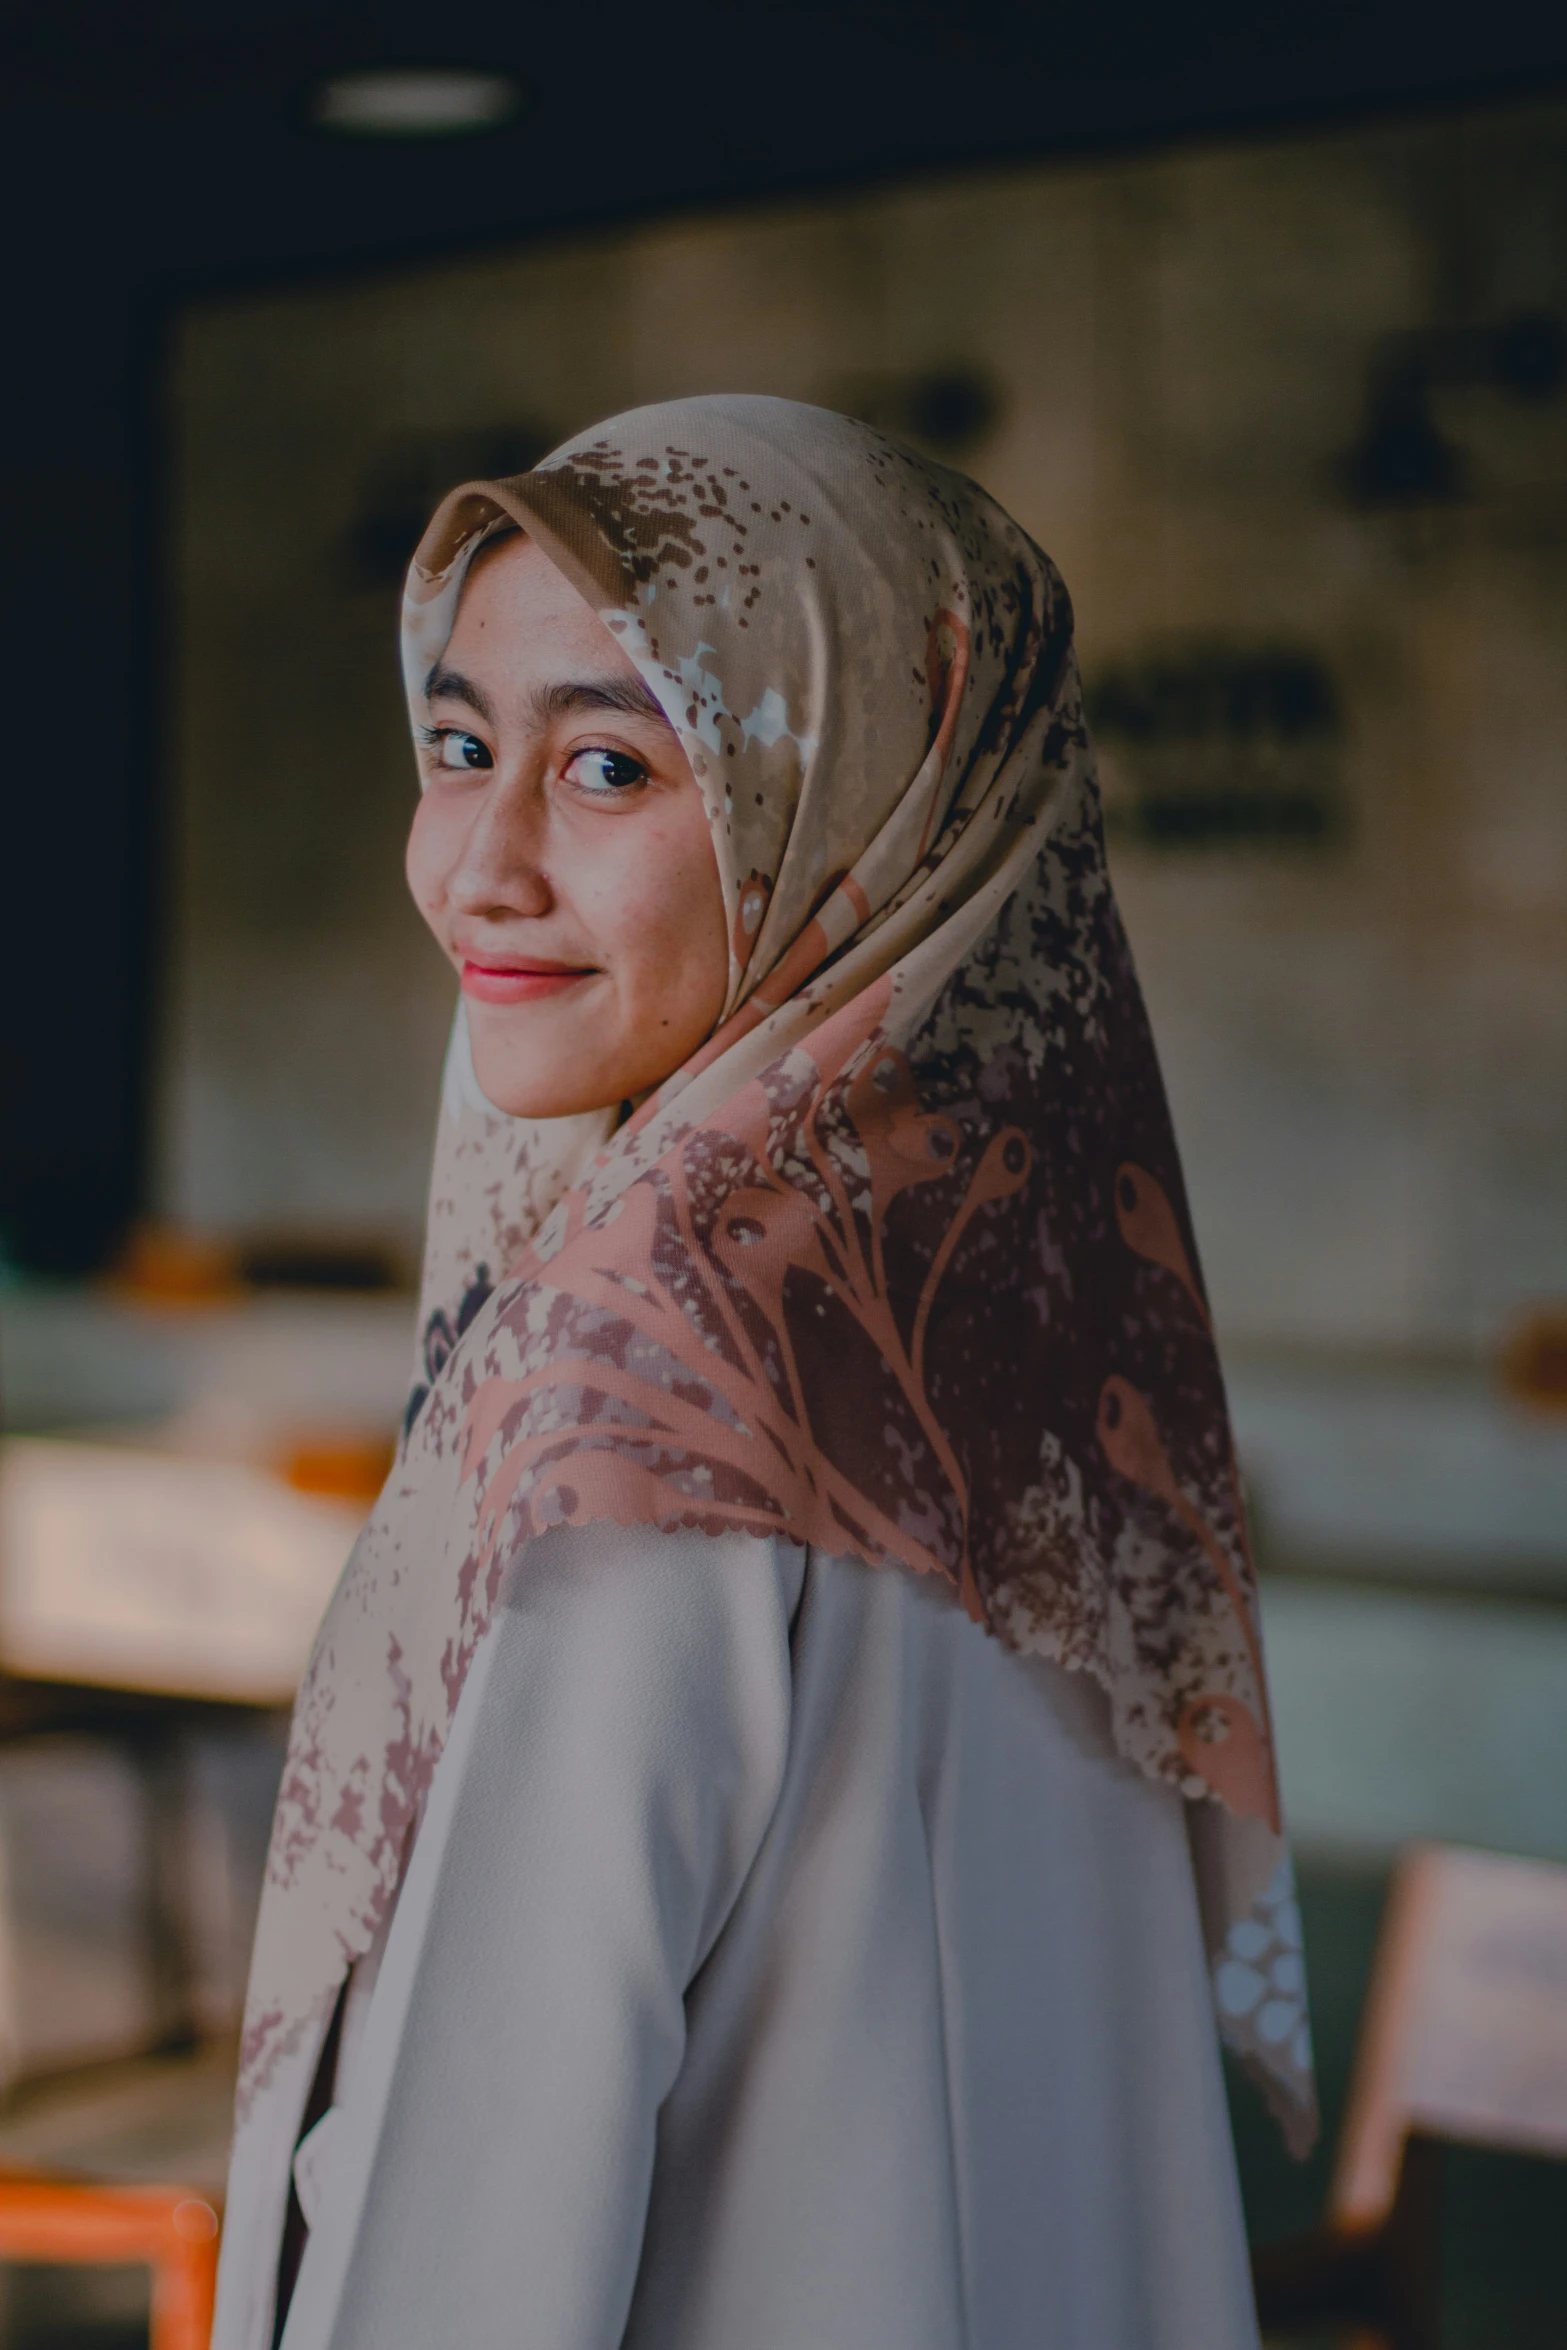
(617, 1755)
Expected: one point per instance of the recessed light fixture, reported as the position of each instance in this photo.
(414, 102)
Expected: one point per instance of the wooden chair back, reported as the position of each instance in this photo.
(1463, 2041)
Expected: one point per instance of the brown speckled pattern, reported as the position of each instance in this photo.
(900, 1264)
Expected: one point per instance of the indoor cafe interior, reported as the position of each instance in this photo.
(1266, 342)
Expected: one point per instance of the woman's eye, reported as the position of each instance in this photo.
(453, 748)
(605, 774)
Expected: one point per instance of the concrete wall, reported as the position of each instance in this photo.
(1366, 1037)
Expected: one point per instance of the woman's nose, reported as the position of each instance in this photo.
(500, 869)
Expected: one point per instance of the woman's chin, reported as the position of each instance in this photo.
(531, 1064)
(534, 1093)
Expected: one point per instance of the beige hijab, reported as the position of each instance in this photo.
(899, 1264)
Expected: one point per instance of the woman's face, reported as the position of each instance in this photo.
(561, 851)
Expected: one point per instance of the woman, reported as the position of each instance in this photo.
(684, 1925)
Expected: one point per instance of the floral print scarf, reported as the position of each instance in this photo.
(898, 1264)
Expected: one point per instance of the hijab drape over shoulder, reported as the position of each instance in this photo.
(899, 1264)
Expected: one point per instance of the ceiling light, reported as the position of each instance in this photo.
(414, 102)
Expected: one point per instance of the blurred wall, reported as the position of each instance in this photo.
(1252, 402)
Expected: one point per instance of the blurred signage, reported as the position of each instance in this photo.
(1220, 744)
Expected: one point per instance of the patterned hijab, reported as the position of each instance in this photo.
(898, 1264)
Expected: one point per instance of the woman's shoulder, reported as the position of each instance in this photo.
(648, 1583)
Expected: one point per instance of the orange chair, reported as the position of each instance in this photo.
(174, 2233)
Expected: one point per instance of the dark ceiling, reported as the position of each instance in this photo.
(162, 139)
(153, 150)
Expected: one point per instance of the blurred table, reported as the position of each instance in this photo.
(159, 1574)
(160, 1584)
(142, 1595)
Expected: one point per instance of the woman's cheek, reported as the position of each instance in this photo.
(425, 862)
(642, 909)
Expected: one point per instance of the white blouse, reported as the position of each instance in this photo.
(781, 1965)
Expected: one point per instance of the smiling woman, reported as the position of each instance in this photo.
(685, 1929)
(561, 851)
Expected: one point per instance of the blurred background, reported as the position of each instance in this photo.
(1260, 327)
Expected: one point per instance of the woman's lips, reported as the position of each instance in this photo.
(517, 983)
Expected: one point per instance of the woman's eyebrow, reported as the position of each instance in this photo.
(449, 685)
(626, 695)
